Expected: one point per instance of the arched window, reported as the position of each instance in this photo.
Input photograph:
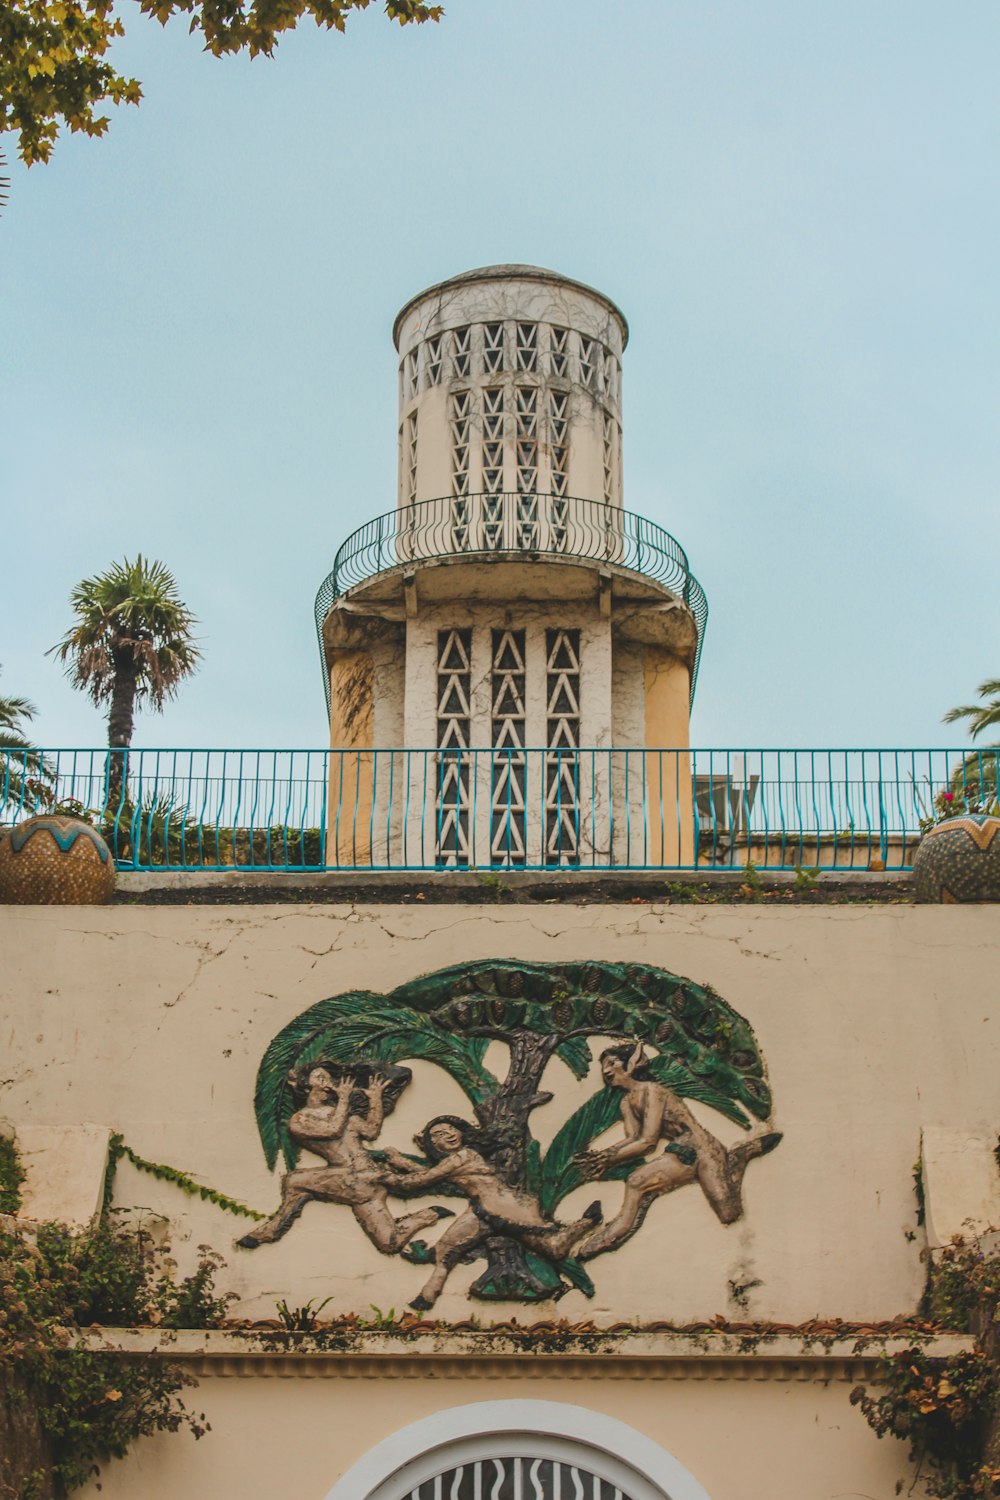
(518, 1450)
(510, 1478)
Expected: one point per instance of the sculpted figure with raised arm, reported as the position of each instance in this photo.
(342, 1112)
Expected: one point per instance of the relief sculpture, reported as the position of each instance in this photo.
(331, 1079)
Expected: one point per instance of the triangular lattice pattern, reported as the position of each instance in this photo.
(461, 351)
(460, 418)
(507, 805)
(454, 723)
(562, 761)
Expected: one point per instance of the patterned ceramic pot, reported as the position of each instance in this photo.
(959, 860)
(55, 861)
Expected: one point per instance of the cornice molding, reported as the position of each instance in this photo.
(482, 1355)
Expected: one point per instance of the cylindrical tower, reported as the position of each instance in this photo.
(509, 653)
(510, 382)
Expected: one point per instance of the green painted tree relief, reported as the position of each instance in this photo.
(329, 1081)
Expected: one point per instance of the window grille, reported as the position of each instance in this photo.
(609, 456)
(411, 458)
(558, 469)
(434, 359)
(492, 348)
(562, 760)
(493, 439)
(559, 441)
(411, 370)
(559, 351)
(461, 351)
(527, 346)
(588, 362)
(526, 444)
(516, 1479)
(507, 807)
(460, 417)
(610, 376)
(454, 721)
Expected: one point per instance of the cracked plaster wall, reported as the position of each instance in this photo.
(875, 1023)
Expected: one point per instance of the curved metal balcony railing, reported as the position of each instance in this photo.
(527, 526)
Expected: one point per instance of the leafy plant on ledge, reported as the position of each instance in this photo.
(66, 1407)
(948, 1410)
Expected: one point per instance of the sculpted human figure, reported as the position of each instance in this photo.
(651, 1113)
(494, 1207)
(337, 1120)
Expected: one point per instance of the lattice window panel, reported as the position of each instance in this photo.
(526, 453)
(562, 760)
(559, 351)
(493, 348)
(590, 354)
(559, 441)
(516, 1479)
(527, 346)
(454, 722)
(460, 419)
(507, 804)
(410, 457)
(493, 429)
(608, 424)
(434, 359)
(411, 373)
(610, 375)
(461, 351)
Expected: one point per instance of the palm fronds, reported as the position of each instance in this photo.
(132, 613)
(25, 775)
(980, 716)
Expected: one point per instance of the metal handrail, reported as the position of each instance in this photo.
(532, 807)
(532, 526)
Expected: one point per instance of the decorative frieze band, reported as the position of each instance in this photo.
(482, 1355)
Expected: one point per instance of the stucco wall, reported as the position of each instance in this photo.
(795, 1438)
(874, 1023)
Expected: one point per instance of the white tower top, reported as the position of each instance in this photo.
(510, 383)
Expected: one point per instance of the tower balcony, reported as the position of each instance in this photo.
(557, 536)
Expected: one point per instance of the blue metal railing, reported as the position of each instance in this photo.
(529, 525)
(535, 809)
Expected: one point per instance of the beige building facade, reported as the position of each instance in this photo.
(709, 1352)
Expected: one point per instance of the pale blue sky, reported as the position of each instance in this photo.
(796, 205)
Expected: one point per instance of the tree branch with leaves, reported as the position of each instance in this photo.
(54, 54)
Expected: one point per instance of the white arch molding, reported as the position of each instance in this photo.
(603, 1446)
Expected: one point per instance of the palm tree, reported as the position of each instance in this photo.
(980, 715)
(974, 784)
(130, 645)
(23, 772)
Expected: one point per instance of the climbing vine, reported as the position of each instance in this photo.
(11, 1176)
(65, 1406)
(948, 1410)
(117, 1149)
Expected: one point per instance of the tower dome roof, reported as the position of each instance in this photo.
(510, 273)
